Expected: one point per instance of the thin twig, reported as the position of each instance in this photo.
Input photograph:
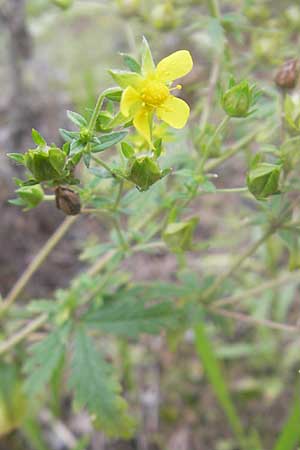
(25, 331)
(285, 279)
(254, 320)
(36, 263)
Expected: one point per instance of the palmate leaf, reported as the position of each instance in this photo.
(95, 387)
(44, 359)
(129, 316)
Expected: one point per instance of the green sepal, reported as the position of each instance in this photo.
(45, 164)
(127, 150)
(38, 138)
(147, 59)
(124, 78)
(263, 180)
(18, 157)
(238, 99)
(29, 196)
(144, 171)
(179, 235)
(131, 63)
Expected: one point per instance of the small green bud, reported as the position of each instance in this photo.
(179, 235)
(103, 122)
(263, 180)
(164, 16)
(85, 135)
(238, 99)
(143, 172)
(45, 163)
(128, 7)
(31, 196)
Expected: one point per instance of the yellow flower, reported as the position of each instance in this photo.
(150, 92)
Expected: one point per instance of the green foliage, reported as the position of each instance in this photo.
(290, 433)
(43, 360)
(95, 386)
(217, 379)
(263, 180)
(129, 316)
(145, 216)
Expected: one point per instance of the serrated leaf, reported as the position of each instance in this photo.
(77, 119)
(130, 317)
(125, 78)
(38, 138)
(108, 140)
(43, 360)
(95, 387)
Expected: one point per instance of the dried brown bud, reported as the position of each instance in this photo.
(287, 75)
(67, 200)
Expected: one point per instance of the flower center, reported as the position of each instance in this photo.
(154, 93)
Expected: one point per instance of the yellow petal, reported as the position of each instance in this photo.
(129, 101)
(174, 112)
(141, 122)
(174, 66)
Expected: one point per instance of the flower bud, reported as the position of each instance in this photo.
(31, 196)
(179, 235)
(238, 99)
(164, 16)
(45, 163)
(287, 75)
(67, 200)
(143, 172)
(85, 135)
(128, 7)
(263, 180)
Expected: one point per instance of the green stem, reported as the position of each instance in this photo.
(119, 195)
(219, 128)
(237, 263)
(268, 285)
(231, 152)
(216, 376)
(232, 190)
(95, 114)
(103, 164)
(118, 229)
(214, 8)
(20, 335)
(49, 198)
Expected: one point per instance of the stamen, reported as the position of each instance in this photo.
(177, 87)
